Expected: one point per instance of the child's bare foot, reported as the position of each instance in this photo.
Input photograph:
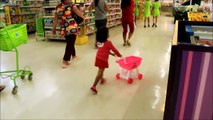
(94, 90)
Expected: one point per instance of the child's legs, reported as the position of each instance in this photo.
(153, 20)
(148, 20)
(156, 20)
(144, 21)
(99, 76)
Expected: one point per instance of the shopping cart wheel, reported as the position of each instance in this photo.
(15, 90)
(30, 77)
(130, 80)
(22, 75)
(140, 76)
(118, 75)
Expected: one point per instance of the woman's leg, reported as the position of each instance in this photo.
(73, 39)
(124, 25)
(131, 31)
(67, 54)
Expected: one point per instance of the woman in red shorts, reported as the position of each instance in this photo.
(127, 7)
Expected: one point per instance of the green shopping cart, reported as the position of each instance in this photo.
(10, 38)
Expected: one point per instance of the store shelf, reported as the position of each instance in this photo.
(89, 11)
(113, 19)
(114, 14)
(48, 16)
(113, 3)
(30, 6)
(49, 6)
(55, 38)
(90, 24)
(115, 9)
(49, 27)
(23, 14)
(90, 17)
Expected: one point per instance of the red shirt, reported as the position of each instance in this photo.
(104, 50)
(129, 10)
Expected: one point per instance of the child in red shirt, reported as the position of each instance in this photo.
(104, 50)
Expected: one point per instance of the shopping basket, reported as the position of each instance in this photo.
(17, 36)
(127, 65)
(10, 38)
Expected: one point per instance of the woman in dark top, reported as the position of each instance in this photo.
(101, 9)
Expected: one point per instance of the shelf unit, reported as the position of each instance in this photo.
(48, 17)
(2, 13)
(114, 16)
(25, 12)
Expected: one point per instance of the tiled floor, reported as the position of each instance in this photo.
(57, 93)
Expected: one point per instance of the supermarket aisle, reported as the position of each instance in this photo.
(57, 93)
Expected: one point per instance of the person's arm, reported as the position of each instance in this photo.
(55, 23)
(91, 7)
(75, 9)
(111, 46)
(106, 7)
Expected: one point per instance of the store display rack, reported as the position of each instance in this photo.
(22, 11)
(113, 16)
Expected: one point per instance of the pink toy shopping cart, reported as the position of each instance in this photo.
(127, 65)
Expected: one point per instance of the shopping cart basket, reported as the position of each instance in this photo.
(127, 65)
(11, 37)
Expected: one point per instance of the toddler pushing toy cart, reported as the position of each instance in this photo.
(11, 37)
(128, 64)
